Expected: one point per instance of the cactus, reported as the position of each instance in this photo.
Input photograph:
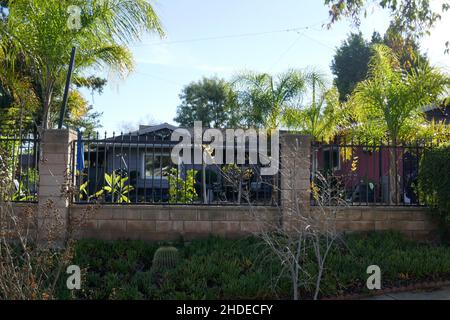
(165, 258)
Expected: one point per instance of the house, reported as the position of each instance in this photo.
(363, 168)
(438, 114)
(144, 157)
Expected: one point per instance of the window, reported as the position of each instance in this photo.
(156, 165)
(331, 158)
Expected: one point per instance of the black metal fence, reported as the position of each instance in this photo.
(370, 172)
(20, 153)
(137, 168)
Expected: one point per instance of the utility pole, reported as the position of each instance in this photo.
(66, 90)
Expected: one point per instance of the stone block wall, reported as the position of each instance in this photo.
(414, 222)
(169, 223)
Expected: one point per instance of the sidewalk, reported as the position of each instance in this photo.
(440, 294)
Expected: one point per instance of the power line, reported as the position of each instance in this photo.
(291, 46)
(317, 41)
(287, 51)
(242, 35)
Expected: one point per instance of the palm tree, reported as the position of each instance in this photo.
(264, 99)
(40, 31)
(16, 91)
(320, 113)
(389, 103)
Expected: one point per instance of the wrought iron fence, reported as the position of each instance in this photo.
(370, 172)
(137, 168)
(20, 152)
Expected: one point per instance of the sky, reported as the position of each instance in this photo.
(224, 37)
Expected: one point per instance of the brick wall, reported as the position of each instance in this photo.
(159, 223)
(154, 223)
(415, 223)
(168, 223)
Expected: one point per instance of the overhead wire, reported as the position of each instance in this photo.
(231, 36)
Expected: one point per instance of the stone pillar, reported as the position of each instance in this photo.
(54, 184)
(295, 170)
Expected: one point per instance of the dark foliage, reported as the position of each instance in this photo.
(218, 268)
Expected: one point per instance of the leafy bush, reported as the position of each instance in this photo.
(107, 266)
(401, 262)
(434, 182)
(182, 191)
(218, 268)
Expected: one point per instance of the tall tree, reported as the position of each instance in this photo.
(209, 100)
(263, 99)
(320, 115)
(413, 18)
(18, 107)
(18, 98)
(389, 103)
(405, 48)
(350, 63)
(351, 60)
(100, 29)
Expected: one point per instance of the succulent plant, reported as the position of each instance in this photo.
(165, 258)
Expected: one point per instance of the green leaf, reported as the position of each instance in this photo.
(108, 179)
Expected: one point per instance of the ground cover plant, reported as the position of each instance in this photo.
(218, 268)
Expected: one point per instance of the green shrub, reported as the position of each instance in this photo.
(182, 191)
(109, 265)
(434, 183)
(217, 268)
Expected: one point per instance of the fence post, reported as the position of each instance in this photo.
(295, 169)
(54, 182)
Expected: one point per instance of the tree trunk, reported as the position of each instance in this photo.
(394, 186)
(47, 98)
(205, 194)
(45, 115)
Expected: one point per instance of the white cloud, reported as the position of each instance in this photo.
(164, 55)
(157, 54)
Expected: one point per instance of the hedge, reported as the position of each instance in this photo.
(434, 183)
